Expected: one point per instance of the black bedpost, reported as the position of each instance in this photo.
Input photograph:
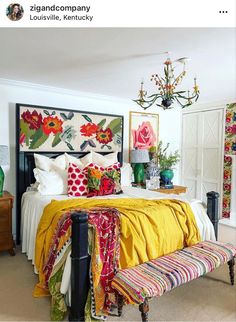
(79, 266)
(213, 209)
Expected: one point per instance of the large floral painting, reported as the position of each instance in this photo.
(230, 149)
(46, 129)
(144, 128)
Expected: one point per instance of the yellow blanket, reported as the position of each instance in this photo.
(149, 229)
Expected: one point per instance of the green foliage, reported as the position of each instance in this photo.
(115, 126)
(87, 118)
(166, 161)
(38, 139)
(56, 140)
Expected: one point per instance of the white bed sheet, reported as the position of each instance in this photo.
(33, 204)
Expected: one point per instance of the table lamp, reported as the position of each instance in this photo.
(139, 157)
(4, 160)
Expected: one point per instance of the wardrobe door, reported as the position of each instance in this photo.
(212, 152)
(202, 152)
(190, 153)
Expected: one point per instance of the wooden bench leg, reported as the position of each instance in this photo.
(120, 304)
(231, 264)
(144, 308)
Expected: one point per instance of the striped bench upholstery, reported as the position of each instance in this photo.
(158, 276)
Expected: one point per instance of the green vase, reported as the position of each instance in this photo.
(2, 176)
(166, 177)
(138, 173)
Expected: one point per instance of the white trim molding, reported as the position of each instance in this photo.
(65, 91)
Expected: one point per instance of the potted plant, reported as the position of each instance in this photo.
(166, 163)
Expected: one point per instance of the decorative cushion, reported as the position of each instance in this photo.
(104, 181)
(160, 275)
(77, 180)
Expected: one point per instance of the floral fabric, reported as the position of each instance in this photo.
(230, 129)
(44, 129)
(105, 252)
(227, 186)
(230, 149)
(102, 181)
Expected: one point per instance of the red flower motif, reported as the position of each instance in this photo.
(227, 187)
(226, 214)
(228, 159)
(144, 137)
(225, 203)
(104, 136)
(233, 129)
(52, 124)
(34, 119)
(22, 138)
(107, 186)
(228, 120)
(88, 129)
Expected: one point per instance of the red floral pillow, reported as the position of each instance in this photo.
(104, 181)
(77, 181)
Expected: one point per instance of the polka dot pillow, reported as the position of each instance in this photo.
(104, 181)
(77, 181)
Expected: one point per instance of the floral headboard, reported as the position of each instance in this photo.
(52, 129)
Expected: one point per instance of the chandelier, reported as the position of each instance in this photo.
(166, 89)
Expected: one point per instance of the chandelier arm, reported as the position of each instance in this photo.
(185, 97)
(148, 103)
(176, 98)
(182, 105)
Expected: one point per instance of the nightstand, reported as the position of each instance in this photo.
(176, 190)
(6, 240)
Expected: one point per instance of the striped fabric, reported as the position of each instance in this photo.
(158, 276)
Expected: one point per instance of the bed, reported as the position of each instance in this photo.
(30, 207)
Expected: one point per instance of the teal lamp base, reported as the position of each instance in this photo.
(2, 176)
(138, 173)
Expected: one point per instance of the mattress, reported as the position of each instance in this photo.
(33, 204)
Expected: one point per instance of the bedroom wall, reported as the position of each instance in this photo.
(12, 92)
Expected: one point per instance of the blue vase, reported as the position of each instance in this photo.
(152, 170)
(166, 177)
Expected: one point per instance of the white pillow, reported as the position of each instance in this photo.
(51, 182)
(126, 173)
(74, 160)
(48, 164)
(87, 159)
(93, 157)
(104, 160)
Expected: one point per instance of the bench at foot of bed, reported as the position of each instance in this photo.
(137, 284)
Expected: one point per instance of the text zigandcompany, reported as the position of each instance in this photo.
(37, 8)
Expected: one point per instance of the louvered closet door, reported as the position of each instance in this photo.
(202, 152)
(190, 154)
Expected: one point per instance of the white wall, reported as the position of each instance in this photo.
(17, 92)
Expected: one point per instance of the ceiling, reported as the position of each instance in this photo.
(113, 61)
